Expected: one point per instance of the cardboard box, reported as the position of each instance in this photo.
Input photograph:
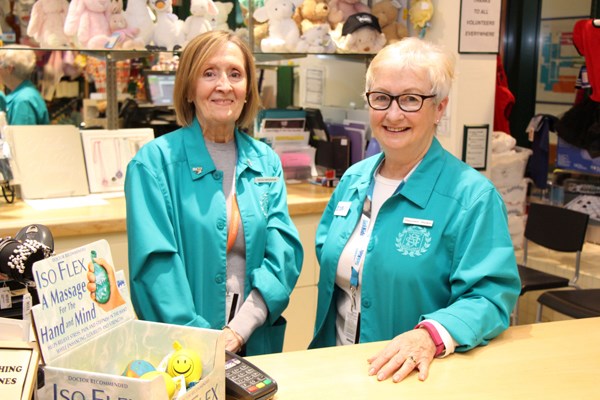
(508, 169)
(86, 346)
(573, 158)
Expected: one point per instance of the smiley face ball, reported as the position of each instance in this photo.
(185, 362)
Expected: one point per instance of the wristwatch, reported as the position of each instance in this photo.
(440, 348)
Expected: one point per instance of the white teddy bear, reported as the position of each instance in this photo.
(138, 17)
(168, 28)
(46, 25)
(284, 34)
(316, 40)
(219, 21)
(199, 20)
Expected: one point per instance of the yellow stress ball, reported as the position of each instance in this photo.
(185, 362)
(169, 382)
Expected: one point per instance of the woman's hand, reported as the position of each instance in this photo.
(233, 341)
(115, 300)
(410, 350)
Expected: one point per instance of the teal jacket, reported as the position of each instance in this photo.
(461, 271)
(25, 106)
(177, 233)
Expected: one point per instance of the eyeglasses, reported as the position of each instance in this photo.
(408, 102)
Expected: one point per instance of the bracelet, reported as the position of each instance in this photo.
(440, 348)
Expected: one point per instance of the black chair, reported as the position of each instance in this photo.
(582, 303)
(558, 229)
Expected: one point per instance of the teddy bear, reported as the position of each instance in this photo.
(361, 33)
(199, 21)
(46, 25)
(420, 13)
(387, 15)
(168, 28)
(219, 21)
(283, 33)
(316, 40)
(86, 19)
(137, 14)
(311, 13)
(340, 10)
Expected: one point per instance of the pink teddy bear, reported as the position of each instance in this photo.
(340, 10)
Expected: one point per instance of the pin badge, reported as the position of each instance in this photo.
(197, 170)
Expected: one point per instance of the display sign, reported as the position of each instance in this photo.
(18, 370)
(479, 26)
(475, 146)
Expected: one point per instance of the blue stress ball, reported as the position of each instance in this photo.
(185, 362)
(137, 368)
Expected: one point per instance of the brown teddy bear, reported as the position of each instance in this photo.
(387, 14)
(311, 13)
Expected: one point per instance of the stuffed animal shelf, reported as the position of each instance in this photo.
(47, 22)
(361, 34)
(283, 33)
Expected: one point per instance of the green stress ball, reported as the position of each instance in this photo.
(185, 362)
(102, 282)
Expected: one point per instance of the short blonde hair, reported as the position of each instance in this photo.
(418, 55)
(194, 56)
(21, 58)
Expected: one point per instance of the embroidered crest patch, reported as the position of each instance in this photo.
(413, 241)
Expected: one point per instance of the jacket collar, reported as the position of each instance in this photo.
(199, 161)
(419, 187)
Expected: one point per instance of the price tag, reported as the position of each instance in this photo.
(5, 298)
(27, 303)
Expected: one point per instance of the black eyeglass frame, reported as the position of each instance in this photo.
(423, 97)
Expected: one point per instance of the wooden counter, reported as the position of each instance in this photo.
(554, 360)
(303, 198)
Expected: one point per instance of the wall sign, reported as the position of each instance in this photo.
(475, 146)
(479, 26)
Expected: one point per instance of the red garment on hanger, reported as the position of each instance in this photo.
(504, 101)
(586, 38)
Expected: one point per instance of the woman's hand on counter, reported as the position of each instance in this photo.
(411, 350)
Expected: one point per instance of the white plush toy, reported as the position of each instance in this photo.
(284, 34)
(46, 25)
(316, 40)
(168, 28)
(86, 19)
(361, 33)
(199, 20)
(219, 21)
(122, 37)
(138, 16)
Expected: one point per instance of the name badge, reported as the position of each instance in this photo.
(342, 208)
(417, 221)
(266, 179)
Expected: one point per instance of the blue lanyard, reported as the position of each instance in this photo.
(365, 222)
